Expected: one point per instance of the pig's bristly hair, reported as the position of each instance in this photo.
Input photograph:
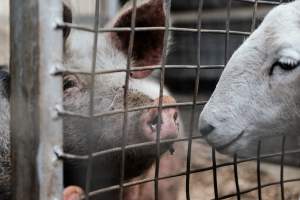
(5, 163)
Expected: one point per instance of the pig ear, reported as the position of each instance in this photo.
(67, 17)
(148, 45)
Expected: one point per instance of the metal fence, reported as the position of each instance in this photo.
(36, 113)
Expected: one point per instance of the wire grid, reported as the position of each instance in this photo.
(194, 103)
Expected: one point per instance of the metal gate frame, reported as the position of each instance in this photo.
(36, 128)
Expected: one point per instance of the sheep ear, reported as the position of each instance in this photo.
(67, 17)
(148, 45)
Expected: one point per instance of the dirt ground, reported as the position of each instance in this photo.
(202, 184)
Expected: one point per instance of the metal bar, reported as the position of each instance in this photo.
(260, 2)
(254, 16)
(236, 177)
(196, 89)
(282, 167)
(36, 50)
(258, 170)
(51, 126)
(24, 98)
(24, 118)
(125, 104)
(63, 155)
(227, 39)
(153, 67)
(128, 147)
(167, 7)
(127, 29)
(215, 175)
(90, 139)
(69, 113)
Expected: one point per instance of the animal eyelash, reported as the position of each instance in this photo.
(287, 65)
(288, 61)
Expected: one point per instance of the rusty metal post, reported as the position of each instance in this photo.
(36, 129)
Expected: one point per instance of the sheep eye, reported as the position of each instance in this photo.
(284, 66)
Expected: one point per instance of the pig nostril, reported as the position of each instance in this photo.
(155, 120)
(153, 123)
(175, 117)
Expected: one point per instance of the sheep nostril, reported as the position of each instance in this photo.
(206, 129)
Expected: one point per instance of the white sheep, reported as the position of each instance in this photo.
(258, 94)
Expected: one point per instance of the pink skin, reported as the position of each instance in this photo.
(169, 127)
(73, 193)
(168, 188)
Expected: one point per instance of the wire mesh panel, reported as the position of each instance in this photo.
(104, 67)
(199, 31)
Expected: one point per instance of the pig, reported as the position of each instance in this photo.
(257, 97)
(106, 132)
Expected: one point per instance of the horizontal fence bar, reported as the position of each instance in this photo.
(138, 68)
(63, 112)
(260, 2)
(63, 155)
(154, 28)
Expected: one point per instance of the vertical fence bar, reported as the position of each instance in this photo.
(236, 177)
(50, 96)
(254, 15)
(24, 121)
(36, 129)
(258, 160)
(227, 40)
(196, 90)
(161, 92)
(215, 174)
(125, 97)
(91, 142)
(282, 168)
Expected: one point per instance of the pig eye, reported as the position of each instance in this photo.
(70, 82)
(286, 66)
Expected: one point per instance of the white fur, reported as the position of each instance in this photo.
(248, 99)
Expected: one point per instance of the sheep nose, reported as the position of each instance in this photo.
(205, 128)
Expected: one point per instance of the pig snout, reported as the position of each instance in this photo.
(169, 128)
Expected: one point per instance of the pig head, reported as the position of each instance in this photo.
(107, 131)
